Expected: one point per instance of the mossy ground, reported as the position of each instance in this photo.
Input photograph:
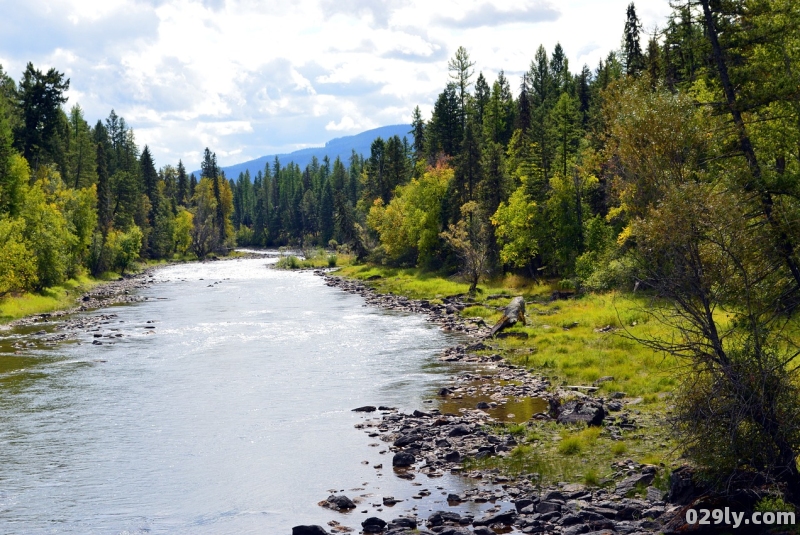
(573, 341)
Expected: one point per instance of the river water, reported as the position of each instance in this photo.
(232, 415)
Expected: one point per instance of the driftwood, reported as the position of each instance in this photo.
(514, 312)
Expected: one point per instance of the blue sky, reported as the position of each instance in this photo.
(248, 78)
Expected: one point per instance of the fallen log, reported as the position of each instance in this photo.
(514, 312)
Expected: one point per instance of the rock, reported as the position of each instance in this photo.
(460, 431)
(445, 391)
(576, 530)
(453, 498)
(631, 482)
(614, 406)
(482, 405)
(506, 518)
(373, 525)
(403, 522)
(389, 500)
(553, 495)
(309, 530)
(548, 507)
(452, 457)
(455, 531)
(629, 513)
(483, 531)
(682, 488)
(405, 440)
(403, 459)
(588, 412)
(420, 414)
(522, 504)
(654, 495)
(365, 408)
(440, 517)
(340, 502)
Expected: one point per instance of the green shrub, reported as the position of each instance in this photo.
(570, 446)
(288, 262)
(332, 259)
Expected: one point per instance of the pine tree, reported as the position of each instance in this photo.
(418, 131)
(631, 45)
(482, 93)
(81, 151)
(40, 98)
(460, 68)
(182, 193)
(104, 212)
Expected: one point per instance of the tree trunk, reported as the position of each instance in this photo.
(514, 312)
(784, 243)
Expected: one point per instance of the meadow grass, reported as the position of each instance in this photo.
(315, 259)
(51, 299)
(570, 342)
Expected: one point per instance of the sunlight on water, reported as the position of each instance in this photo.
(231, 416)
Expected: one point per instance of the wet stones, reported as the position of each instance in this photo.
(365, 408)
(338, 503)
(373, 525)
(403, 459)
(309, 530)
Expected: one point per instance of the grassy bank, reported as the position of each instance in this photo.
(59, 297)
(315, 259)
(581, 341)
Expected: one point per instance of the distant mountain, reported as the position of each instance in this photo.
(340, 146)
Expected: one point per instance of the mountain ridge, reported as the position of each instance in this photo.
(340, 146)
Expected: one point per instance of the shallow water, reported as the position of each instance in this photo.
(231, 416)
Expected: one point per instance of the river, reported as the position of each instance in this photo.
(231, 416)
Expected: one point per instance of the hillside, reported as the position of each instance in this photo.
(340, 146)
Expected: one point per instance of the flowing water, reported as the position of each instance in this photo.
(232, 415)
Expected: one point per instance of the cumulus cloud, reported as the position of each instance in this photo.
(380, 11)
(248, 80)
(489, 15)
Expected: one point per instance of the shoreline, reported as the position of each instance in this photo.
(430, 442)
(112, 292)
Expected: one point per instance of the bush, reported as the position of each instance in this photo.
(332, 259)
(570, 446)
(288, 262)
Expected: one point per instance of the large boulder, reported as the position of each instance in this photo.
(575, 411)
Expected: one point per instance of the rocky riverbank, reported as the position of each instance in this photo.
(467, 428)
(67, 324)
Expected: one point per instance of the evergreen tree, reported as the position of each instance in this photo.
(418, 131)
(482, 93)
(326, 214)
(460, 68)
(40, 98)
(444, 130)
(104, 211)
(631, 45)
(81, 152)
(182, 192)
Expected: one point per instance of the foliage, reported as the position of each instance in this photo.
(470, 240)
(515, 228)
(410, 225)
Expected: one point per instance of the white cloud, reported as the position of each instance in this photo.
(248, 78)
